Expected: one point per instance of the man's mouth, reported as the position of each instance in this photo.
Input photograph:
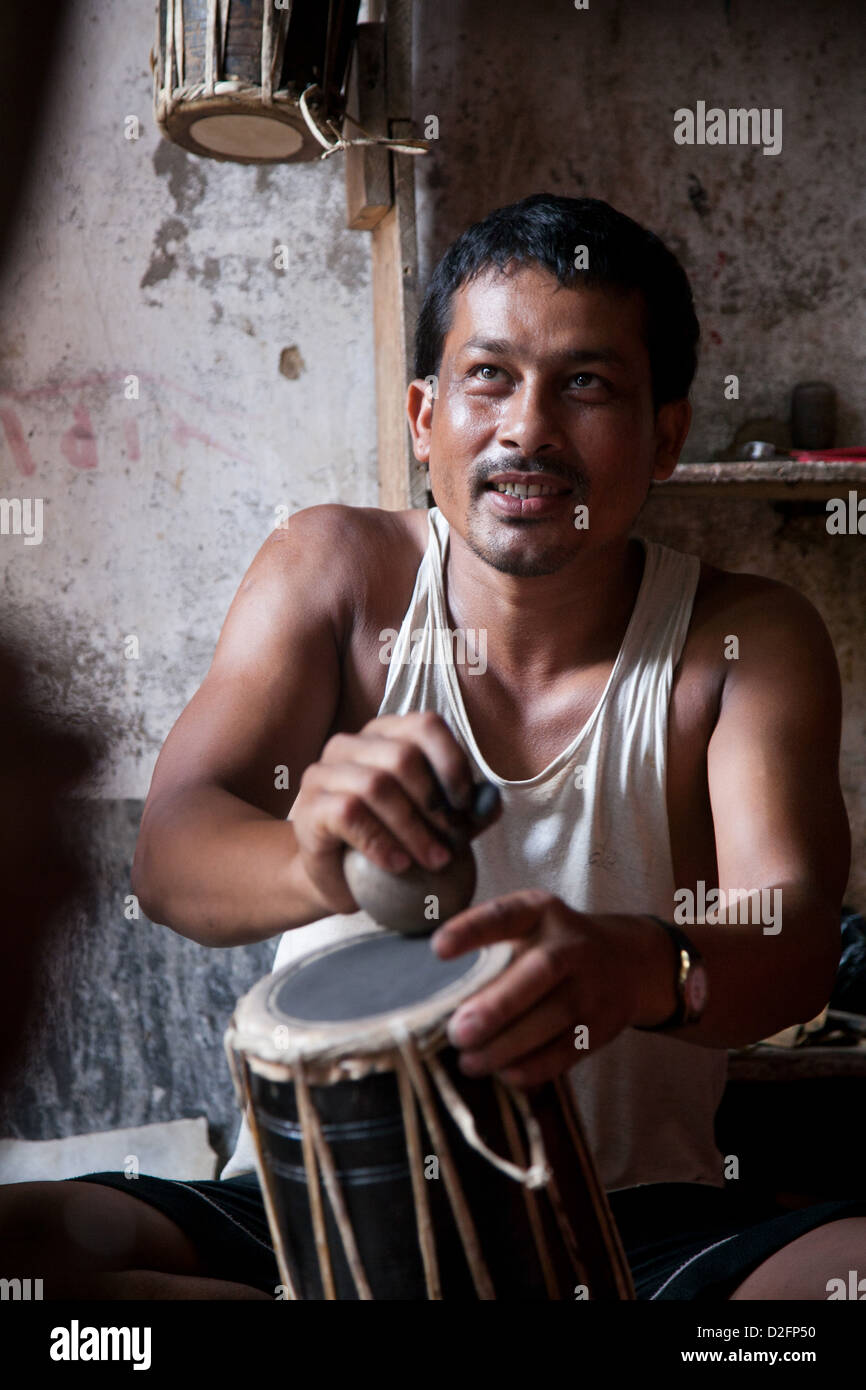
(527, 485)
(529, 497)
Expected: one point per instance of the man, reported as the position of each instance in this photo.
(635, 759)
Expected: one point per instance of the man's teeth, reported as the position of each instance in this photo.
(525, 489)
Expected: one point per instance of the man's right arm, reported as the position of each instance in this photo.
(216, 859)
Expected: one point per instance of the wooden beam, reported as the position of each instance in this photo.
(368, 167)
(401, 477)
(402, 481)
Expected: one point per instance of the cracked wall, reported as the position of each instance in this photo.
(544, 97)
(164, 387)
(255, 388)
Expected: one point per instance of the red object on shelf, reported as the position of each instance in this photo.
(818, 455)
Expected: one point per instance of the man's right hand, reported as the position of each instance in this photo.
(381, 791)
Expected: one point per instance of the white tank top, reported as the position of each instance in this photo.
(598, 840)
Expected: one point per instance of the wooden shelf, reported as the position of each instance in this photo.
(767, 1063)
(779, 479)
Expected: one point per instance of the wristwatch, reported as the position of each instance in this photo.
(690, 981)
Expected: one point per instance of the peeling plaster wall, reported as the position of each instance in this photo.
(256, 389)
(128, 1028)
(544, 97)
(136, 258)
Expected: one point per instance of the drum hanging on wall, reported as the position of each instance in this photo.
(228, 74)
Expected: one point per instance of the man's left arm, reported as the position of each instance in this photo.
(780, 824)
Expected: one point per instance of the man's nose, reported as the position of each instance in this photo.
(530, 421)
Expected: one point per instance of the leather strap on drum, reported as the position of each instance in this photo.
(538, 1172)
(337, 141)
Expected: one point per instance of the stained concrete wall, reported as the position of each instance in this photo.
(134, 258)
(255, 389)
(545, 97)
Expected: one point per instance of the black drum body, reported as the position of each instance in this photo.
(363, 1125)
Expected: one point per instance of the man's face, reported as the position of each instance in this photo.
(542, 385)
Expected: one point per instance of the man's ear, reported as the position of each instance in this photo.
(419, 407)
(673, 422)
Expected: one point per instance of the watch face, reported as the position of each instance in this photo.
(696, 990)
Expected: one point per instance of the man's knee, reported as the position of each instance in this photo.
(56, 1231)
(803, 1270)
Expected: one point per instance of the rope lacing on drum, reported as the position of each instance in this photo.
(340, 142)
(537, 1174)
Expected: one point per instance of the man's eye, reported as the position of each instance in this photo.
(484, 367)
(584, 378)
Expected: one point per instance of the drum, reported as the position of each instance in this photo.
(228, 74)
(388, 1174)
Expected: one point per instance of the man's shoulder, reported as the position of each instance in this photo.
(729, 592)
(774, 619)
(349, 561)
(350, 537)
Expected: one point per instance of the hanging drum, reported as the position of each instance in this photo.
(228, 74)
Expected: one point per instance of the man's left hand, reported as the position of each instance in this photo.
(603, 971)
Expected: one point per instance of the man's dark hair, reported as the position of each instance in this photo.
(547, 229)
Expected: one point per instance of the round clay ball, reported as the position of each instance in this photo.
(401, 901)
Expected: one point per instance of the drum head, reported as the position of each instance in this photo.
(350, 998)
(246, 137)
(376, 975)
(239, 129)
